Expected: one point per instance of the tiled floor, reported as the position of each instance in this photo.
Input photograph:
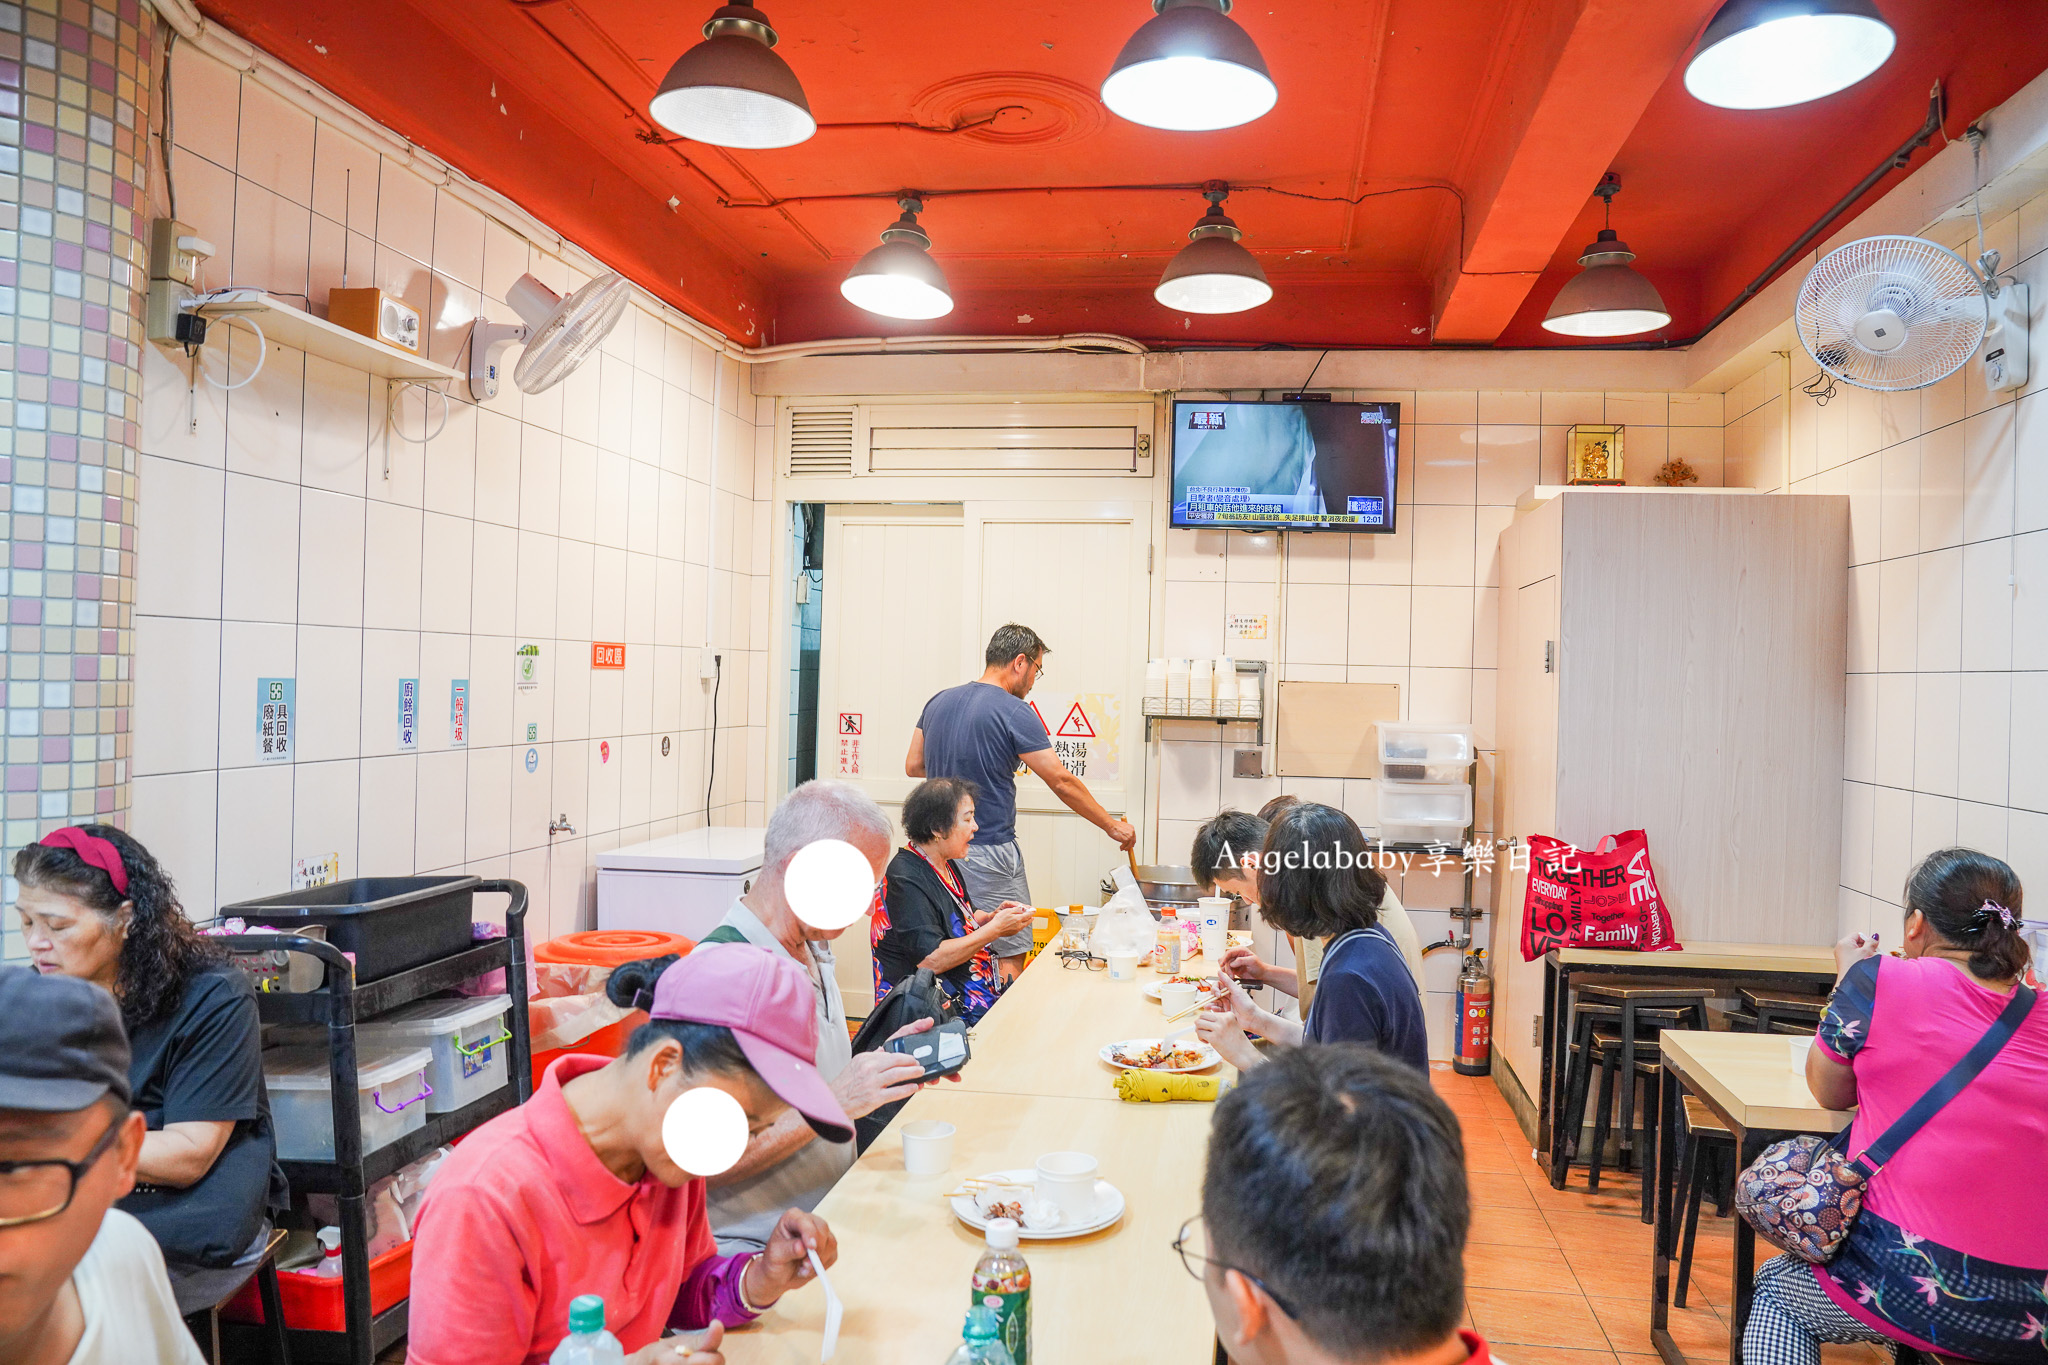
(1562, 1277)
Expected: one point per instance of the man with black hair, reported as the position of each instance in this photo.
(981, 731)
(1334, 1215)
(81, 1283)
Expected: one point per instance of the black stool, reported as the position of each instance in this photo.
(1703, 1138)
(1634, 1013)
(1772, 1007)
(202, 1293)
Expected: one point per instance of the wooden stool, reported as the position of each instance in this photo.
(1704, 1135)
(1771, 1006)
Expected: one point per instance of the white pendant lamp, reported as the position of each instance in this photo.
(1765, 54)
(899, 279)
(731, 91)
(1212, 273)
(1190, 68)
(1608, 298)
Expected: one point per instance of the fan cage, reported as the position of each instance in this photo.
(577, 327)
(1939, 297)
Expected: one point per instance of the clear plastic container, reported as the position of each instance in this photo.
(1425, 753)
(392, 1098)
(468, 1037)
(1424, 812)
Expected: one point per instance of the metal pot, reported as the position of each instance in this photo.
(1163, 885)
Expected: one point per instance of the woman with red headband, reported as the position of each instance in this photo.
(94, 904)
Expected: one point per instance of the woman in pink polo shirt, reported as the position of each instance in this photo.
(575, 1192)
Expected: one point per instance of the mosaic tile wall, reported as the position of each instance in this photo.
(74, 100)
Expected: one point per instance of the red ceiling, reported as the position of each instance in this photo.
(1518, 104)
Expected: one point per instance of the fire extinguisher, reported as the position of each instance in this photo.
(1474, 1051)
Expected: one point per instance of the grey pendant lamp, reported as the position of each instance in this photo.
(1607, 298)
(731, 90)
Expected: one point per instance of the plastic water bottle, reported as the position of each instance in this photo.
(979, 1344)
(330, 1253)
(1002, 1284)
(587, 1343)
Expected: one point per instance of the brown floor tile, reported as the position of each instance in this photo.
(1858, 1353)
(1559, 1355)
(1506, 1190)
(1630, 1358)
(1619, 1198)
(1498, 1158)
(1509, 1227)
(1597, 1232)
(1515, 1267)
(1696, 1331)
(1534, 1317)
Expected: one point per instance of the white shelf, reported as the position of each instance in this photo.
(295, 327)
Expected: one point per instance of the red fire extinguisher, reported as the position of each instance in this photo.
(1474, 1052)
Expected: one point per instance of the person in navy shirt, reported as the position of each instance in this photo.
(981, 731)
(1317, 880)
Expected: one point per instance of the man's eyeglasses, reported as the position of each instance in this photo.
(1195, 1261)
(1073, 959)
(31, 1191)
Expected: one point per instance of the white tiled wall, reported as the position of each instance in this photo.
(284, 532)
(1948, 635)
(1416, 609)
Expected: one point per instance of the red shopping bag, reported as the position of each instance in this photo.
(1601, 898)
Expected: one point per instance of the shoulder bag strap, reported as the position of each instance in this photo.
(1951, 1085)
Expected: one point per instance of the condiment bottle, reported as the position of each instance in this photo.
(1002, 1283)
(979, 1345)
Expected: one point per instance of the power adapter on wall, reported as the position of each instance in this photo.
(708, 661)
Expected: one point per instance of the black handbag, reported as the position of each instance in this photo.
(921, 995)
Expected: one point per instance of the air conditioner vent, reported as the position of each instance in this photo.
(820, 443)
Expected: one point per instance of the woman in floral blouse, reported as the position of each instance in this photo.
(921, 916)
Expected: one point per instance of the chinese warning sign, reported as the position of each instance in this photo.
(1084, 728)
(276, 716)
(849, 750)
(849, 722)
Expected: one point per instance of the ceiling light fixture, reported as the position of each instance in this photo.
(1608, 298)
(1212, 273)
(1765, 54)
(1190, 68)
(731, 91)
(899, 279)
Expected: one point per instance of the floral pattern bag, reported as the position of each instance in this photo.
(1803, 1194)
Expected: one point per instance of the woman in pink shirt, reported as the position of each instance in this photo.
(1950, 1252)
(575, 1191)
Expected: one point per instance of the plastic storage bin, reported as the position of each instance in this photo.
(390, 924)
(392, 1100)
(1424, 812)
(1425, 753)
(467, 1036)
(312, 1303)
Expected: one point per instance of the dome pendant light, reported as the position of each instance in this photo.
(899, 279)
(731, 91)
(1765, 54)
(1212, 273)
(1607, 298)
(1190, 68)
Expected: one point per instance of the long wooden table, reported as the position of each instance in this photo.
(1749, 1082)
(1774, 965)
(1034, 1085)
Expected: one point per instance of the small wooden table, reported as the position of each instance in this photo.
(1760, 964)
(1034, 1086)
(1748, 1081)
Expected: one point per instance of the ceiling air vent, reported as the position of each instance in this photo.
(820, 443)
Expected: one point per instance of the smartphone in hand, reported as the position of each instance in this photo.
(941, 1050)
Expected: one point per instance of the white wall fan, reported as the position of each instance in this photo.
(1896, 313)
(559, 334)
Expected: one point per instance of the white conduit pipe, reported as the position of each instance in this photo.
(225, 47)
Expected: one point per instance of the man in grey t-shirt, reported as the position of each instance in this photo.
(980, 731)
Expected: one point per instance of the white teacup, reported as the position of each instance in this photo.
(1175, 996)
(1066, 1180)
(927, 1147)
(1123, 966)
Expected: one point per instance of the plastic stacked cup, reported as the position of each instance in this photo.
(1215, 925)
(927, 1147)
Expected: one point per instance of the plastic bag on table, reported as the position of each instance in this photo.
(1125, 927)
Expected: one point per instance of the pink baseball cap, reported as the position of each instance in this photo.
(771, 1007)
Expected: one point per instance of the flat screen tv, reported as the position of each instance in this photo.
(1285, 466)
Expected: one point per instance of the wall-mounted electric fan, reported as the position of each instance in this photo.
(1897, 313)
(559, 333)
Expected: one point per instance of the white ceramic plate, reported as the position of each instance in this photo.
(1109, 1201)
(1134, 1045)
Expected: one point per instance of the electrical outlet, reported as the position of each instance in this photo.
(1248, 763)
(174, 258)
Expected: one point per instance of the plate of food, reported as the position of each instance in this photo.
(1149, 1054)
(1012, 1195)
(1205, 986)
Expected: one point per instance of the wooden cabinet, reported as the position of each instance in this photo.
(1674, 662)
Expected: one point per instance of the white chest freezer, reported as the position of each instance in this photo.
(680, 883)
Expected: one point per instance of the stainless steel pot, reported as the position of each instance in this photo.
(1162, 885)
